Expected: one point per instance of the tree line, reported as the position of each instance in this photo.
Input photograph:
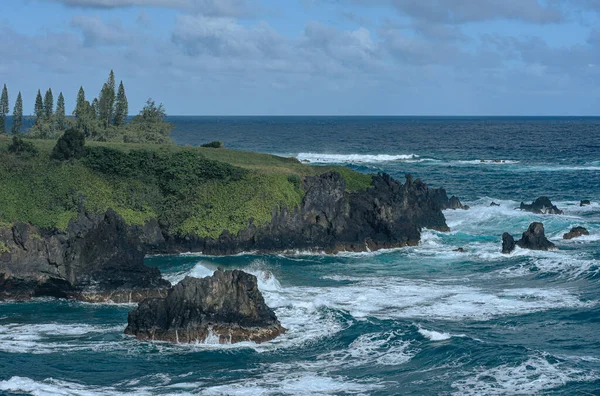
(105, 118)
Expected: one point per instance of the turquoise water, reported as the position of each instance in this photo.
(419, 320)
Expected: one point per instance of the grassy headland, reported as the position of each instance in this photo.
(190, 190)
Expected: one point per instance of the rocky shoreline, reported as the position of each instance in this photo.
(100, 258)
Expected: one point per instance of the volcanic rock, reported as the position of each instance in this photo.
(494, 204)
(97, 258)
(541, 205)
(535, 239)
(585, 202)
(227, 305)
(508, 243)
(576, 232)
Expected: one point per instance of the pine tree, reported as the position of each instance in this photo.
(48, 104)
(39, 107)
(17, 115)
(3, 109)
(121, 106)
(106, 102)
(94, 109)
(81, 108)
(61, 119)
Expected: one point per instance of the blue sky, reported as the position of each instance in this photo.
(311, 57)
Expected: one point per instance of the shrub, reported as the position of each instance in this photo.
(295, 180)
(20, 147)
(215, 144)
(70, 145)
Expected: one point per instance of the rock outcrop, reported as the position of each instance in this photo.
(508, 243)
(533, 239)
(576, 232)
(98, 258)
(227, 305)
(387, 215)
(542, 205)
(585, 202)
(494, 204)
(441, 198)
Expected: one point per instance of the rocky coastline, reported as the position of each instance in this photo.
(101, 258)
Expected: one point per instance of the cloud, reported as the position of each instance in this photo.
(234, 8)
(96, 32)
(465, 11)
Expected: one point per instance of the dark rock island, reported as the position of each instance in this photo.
(576, 232)
(227, 305)
(534, 239)
(542, 205)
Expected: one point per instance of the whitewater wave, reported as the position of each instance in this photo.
(537, 374)
(315, 158)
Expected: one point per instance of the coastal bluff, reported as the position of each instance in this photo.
(99, 257)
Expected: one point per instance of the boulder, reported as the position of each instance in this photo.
(459, 250)
(542, 205)
(585, 202)
(494, 204)
(576, 232)
(508, 243)
(227, 306)
(535, 239)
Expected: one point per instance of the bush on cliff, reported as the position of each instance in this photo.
(21, 147)
(70, 145)
(216, 144)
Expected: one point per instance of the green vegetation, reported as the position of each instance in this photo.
(355, 181)
(17, 115)
(4, 248)
(3, 110)
(189, 190)
(71, 145)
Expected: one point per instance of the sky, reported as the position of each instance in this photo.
(310, 57)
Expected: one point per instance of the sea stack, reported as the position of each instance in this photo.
(576, 232)
(533, 239)
(227, 305)
(542, 205)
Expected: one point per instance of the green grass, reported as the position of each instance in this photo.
(195, 191)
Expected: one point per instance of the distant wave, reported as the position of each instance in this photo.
(315, 158)
(487, 161)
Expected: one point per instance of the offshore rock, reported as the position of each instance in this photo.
(535, 239)
(227, 306)
(508, 243)
(576, 232)
(494, 204)
(387, 215)
(542, 205)
(440, 196)
(585, 202)
(98, 258)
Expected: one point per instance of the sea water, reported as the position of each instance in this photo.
(416, 320)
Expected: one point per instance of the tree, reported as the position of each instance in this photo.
(48, 104)
(94, 109)
(121, 106)
(3, 109)
(61, 119)
(149, 125)
(106, 102)
(81, 108)
(17, 115)
(39, 107)
(70, 145)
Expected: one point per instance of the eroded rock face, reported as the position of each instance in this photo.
(508, 243)
(227, 305)
(542, 205)
(535, 239)
(387, 215)
(98, 258)
(576, 232)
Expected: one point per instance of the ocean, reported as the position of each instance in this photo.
(422, 320)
